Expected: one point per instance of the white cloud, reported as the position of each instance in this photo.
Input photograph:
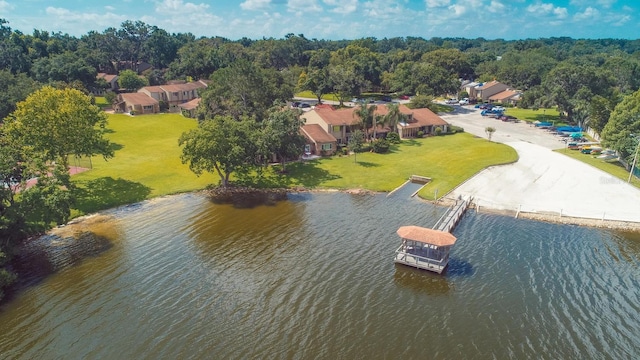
(5, 6)
(604, 3)
(65, 20)
(109, 8)
(299, 6)
(588, 14)
(342, 6)
(617, 19)
(548, 9)
(383, 9)
(174, 7)
(437, 3)
(497, 7)
(255, 4)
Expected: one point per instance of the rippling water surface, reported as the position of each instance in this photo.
(314, 277)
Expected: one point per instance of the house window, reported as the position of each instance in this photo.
(175, 94)
(326, 146)
(147, 108)
(307, 148)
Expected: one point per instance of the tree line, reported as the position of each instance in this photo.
(592, 82)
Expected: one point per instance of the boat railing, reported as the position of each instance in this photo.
(419, 259)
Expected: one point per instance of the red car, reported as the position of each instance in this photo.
(404, 97)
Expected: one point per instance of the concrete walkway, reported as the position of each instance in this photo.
(543, 181)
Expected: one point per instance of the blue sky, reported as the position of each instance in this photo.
(337, 19)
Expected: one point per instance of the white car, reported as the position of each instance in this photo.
(451, 101)
(464, 102)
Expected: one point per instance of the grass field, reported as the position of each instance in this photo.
(448, 160)
(531, 115)
(614, 168)
(147, 164)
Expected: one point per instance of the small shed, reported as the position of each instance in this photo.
(424, 248)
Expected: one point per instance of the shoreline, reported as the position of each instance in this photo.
(549, 217)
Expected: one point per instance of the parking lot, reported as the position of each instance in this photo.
(543, 181)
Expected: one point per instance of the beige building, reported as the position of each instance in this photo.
(339, 123)
(137, 103)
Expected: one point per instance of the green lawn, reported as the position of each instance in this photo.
(614, 168)
(531, 115)
(448, 160)
(310, 95)
(102, 102)
(147, 164)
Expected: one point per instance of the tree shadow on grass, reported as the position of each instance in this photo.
(115, 147)
(543, 118)
(411, 142)
(107, 192)
(306, 174)
(367, 164)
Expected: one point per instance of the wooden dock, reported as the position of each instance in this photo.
(450, 218)
(429, 249)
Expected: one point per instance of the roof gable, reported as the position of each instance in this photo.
(138, 99)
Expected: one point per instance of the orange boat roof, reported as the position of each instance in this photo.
(427, 236)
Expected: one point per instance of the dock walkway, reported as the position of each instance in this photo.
(450, 219)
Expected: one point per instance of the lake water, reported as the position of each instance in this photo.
(314, 277)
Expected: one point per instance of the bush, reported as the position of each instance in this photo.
(110, 97)
(393, 138)
(132, 112)
(420, 133)
(455, 129)
(380, 146)
(438, 131)
(345, 151)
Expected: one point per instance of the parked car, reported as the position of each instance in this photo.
(451, 101)
(464, 102)
(404, 97)
(386, 98)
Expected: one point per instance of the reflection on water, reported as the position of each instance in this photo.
(421, 281)
(314, 277)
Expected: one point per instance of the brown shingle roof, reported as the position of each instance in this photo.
(316, 134)
(421, 117)
(427, 236)
(190, 105)
(153, 89)
(139, 99)
(488, 85)
(507, 94)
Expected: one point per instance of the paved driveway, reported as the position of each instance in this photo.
(543, 181)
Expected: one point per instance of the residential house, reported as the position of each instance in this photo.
(174, 94)
(508, 96)
(339, 123)
(189, 108)
(136, 103)
(318, 141)
(139, 67)
(112, 81)
(470, 88)
(486, 90)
